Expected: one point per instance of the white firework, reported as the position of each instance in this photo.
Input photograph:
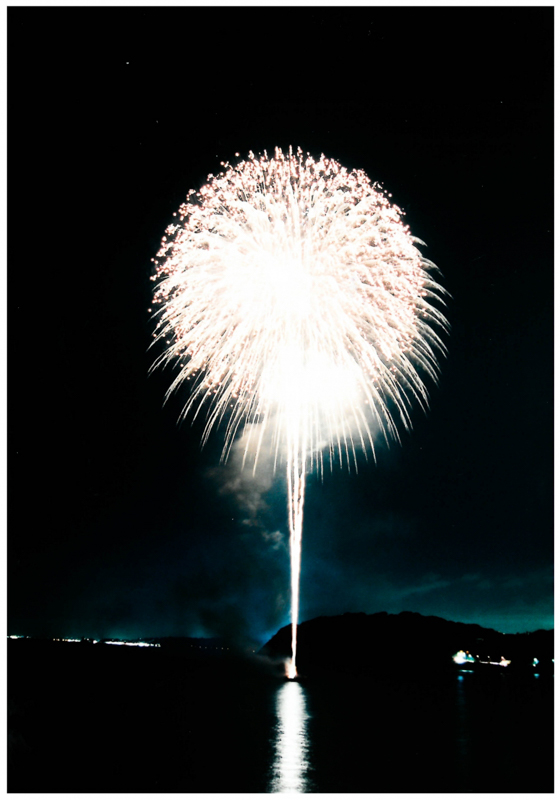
(293, 296)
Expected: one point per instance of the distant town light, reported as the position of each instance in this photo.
(133, 644)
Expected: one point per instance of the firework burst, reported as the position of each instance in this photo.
(296, 301)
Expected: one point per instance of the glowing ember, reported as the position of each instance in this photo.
(295, 300)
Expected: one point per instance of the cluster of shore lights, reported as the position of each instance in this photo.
(67, 640)
(120, 642)
(103, 641)
(504, 662)
(132, 644)
(462, 657)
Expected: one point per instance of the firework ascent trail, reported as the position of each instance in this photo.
(295, 300)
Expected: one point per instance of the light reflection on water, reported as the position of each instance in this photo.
(290, 768)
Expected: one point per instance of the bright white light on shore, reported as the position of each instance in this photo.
(463, 658)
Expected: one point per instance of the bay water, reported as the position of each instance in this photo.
(96, 720)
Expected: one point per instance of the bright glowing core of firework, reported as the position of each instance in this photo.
(297, 303)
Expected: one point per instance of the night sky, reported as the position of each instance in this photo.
(119, 524)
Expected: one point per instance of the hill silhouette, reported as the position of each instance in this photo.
(378, 643)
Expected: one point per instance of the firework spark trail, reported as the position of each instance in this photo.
(296, 492)
(292, 295)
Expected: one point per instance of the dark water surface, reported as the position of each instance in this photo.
(95, 718)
